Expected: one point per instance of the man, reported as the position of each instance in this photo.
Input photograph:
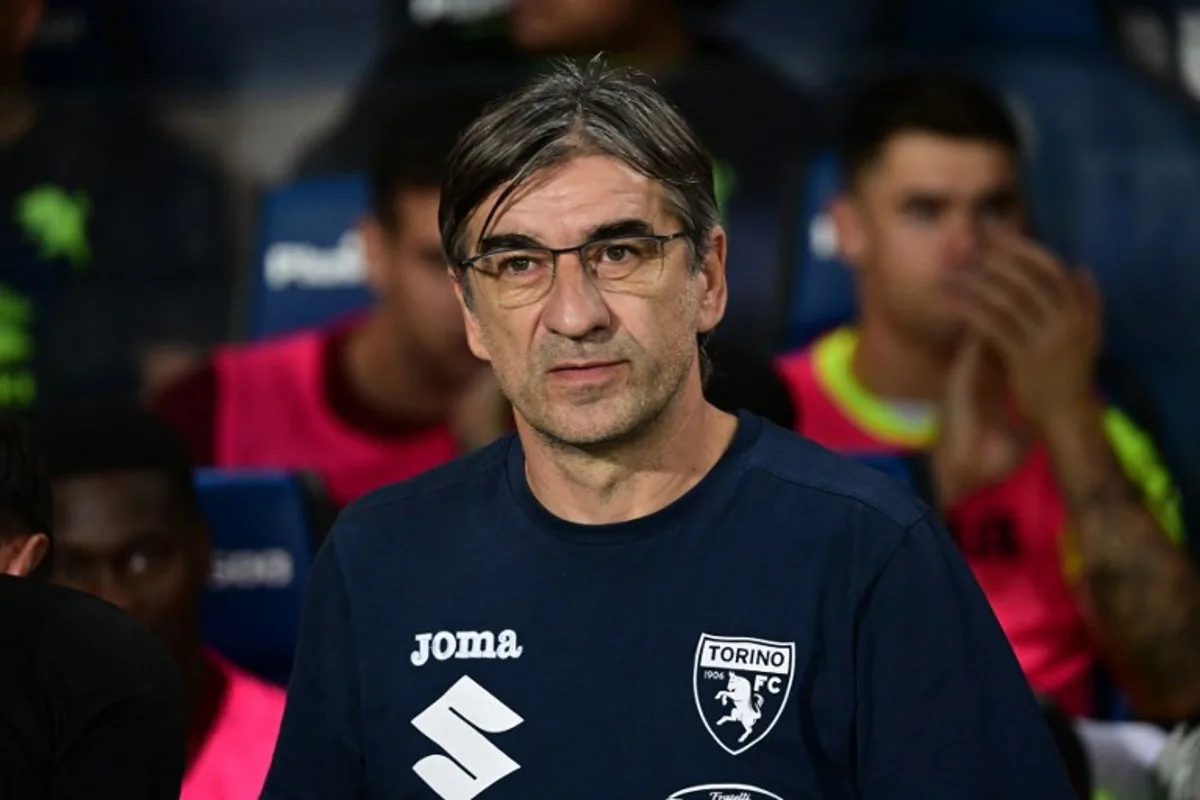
(637, 594)
(975, 343)
(130, 531)
(754, 120)
(114, 258)
(380, 397)
(90, 705)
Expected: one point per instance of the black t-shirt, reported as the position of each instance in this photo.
(113, 238)
(90, 704)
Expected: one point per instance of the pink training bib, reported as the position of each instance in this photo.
(1010, 533)
(272, 413)
(233, 762)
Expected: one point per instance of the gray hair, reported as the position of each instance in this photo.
(575, 110)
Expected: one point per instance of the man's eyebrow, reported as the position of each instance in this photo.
(507, 241)
(606, 230)
(924, 197)
(624, 227)
(1004, 196)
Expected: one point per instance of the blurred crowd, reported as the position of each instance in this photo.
(952, 343)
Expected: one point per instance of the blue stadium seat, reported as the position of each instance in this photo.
(263, 541)
(311, 269)
(1061, 24)
(822, 289)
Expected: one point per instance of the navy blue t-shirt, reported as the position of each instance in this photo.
(795, 626)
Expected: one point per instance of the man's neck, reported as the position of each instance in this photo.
(634, 478)
(390, 380)
(890, 366)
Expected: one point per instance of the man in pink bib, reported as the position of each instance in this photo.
(975, 344)
(130, 531)
(378, 398)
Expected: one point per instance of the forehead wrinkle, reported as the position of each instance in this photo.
(628, 201)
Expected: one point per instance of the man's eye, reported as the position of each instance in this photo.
(514, 264)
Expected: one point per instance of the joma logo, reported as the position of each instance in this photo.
(445, 645)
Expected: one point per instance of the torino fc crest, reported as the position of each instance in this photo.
(741, 687)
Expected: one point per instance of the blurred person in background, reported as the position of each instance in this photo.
(379, 397)
(660, 37)
(114, 258)
(90, 704)
(753, 119)
(130, 531)
(976, 345)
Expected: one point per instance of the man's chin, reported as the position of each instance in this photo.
(588, 425)
(944, 337)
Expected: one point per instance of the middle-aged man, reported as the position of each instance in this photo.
(636, 595)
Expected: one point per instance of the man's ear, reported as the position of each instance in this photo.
(21, 556)
(462, 291)
(715, 292)
(850, 236)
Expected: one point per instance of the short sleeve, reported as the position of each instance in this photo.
(319, 752)
(943, 709)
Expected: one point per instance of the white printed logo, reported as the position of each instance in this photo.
(445, 645)
(251, 569)
(307, 266)
(723, 791)
(741, 687)
(453, 722)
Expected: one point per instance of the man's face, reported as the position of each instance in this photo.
(569, 25)
(919, 221)
(124, 537)
(588, 364)
(414, 290)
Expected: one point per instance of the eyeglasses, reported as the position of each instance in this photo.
(523, 276)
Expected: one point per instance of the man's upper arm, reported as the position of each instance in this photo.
(943, 710)
(119, 702)
(319, 752)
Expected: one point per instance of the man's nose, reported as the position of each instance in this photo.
(966, 240)
(575, 306)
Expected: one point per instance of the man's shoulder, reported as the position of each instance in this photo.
(44, 606)
(74, 632)
(91, 628)
(446, 489)
(801, 467)
(275, 348)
